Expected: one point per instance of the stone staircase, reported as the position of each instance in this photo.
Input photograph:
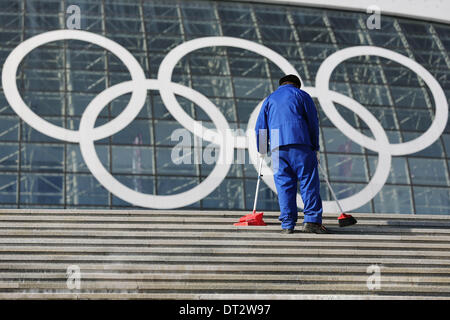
(152, 254)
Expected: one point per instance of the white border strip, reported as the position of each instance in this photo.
(429, 10)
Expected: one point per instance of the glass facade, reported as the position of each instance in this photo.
(59, 79)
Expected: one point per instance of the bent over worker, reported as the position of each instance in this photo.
(288, 121)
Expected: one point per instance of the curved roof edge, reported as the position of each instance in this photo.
(428, 10)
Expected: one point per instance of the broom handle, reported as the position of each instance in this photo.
(261, 159)
(331, 189)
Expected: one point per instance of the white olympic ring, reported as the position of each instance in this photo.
(138, 86)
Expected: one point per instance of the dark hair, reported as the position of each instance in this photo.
(291, 78)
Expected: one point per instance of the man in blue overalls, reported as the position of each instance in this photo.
(288, 118)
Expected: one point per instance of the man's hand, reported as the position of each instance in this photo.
(318, 156)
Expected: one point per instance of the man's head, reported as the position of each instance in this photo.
(290, 79)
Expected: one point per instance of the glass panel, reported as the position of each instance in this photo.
(137, 132)
(174, 185)
(428, 171)
(77, 103)
(213, 86)
(251, 88)
(266, 17)
(85, 190)
(163, 27)
(11, 6)
(137, 183)
(76, 163)
(176, 161)
(432, 200)
(345, 190)
(90, 81)
(45, 103)
(162, 43)
(248, 67)
(38, 6)
(43, 22)
(435, 150)
(277, 34)
(371, 94)
(347, 168)
(73, 123)
(245, 107)
(239, 31)
(386, 116)
(414, 120)
(31, 135)
(315, 35)
(350, 37)
(54, 80)
(44, 58)
(10, 38)
(206, 65)
(121, 9)
(318, 51)
(408, 97)
(41, 189)
(135, 160)
(201, 28)
(226, 106)
(9, 129)
(159, 9)
(234, 14)
(85, 60)
(398, 171)
(446, 141)
(8, 188)
(229, 195)
(9, 154)
(42, 158)
(124, 25)
(267, 199)
(165, 129)
(394, 199)
(312, 18)
(335, 141)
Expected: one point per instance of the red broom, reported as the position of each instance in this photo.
(254, 218)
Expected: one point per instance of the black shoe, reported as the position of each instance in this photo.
(287, 231)
(310, 227)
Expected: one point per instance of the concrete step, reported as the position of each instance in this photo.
(228, 286)
(244, 233)
(234, 243)
(222, 251)
(208, 213)
(208, 257)
(358, 229)
(182, 254)
(37, 276)
(222, 268)
(76, 218)
(51, 295)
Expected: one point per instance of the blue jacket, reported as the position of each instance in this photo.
(293, 113)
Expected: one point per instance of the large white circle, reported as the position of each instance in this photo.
(171, 59)
(381, 141)
(16, 102)
(186, 198)
(415, 145)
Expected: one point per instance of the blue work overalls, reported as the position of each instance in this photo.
(288, 119)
